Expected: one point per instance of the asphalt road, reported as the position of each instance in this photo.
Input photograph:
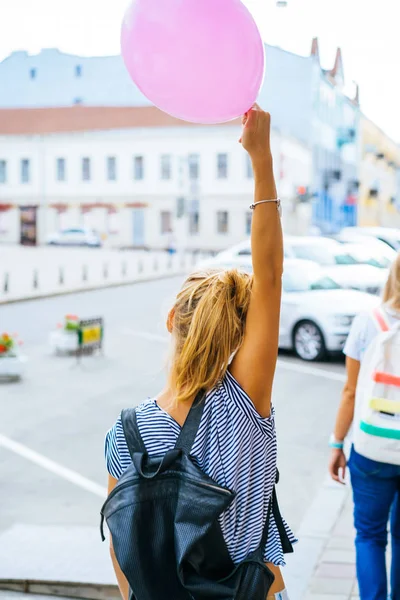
(62, 411)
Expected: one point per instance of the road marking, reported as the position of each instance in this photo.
(305, 369)
(53, 467)
(309, 370)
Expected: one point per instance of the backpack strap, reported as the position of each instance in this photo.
(191, 425)
(131, 431)
(274, 510)
(380, 319)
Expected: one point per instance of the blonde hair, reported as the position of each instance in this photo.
(208, 327)
(391, 292)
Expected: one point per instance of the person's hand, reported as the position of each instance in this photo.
(256, 134)
(337, 465)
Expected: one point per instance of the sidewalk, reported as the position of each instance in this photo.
(323, 564)
(334, 577)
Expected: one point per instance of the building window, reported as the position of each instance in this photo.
(166, 221)
(86, 174)
(78, 71)
(138, 167)
(249, 167)
(222, 221)
(32, 73)
(61, 174)
(3, 171)
(194, 166)
(194, 223)
(25, 170)
(166, 166)
(249, 216)
(222, 166)
(111, 168)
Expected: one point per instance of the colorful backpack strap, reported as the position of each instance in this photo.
(381, 319)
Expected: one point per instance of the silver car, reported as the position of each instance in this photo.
(341, 263)
(316, 313)
(386, 235)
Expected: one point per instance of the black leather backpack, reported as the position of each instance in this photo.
(163, 518)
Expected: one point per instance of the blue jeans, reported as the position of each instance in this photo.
(376, 488)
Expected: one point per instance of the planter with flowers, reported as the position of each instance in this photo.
(11, 361)
(65, 339)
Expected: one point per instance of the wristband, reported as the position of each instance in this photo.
(335, 444)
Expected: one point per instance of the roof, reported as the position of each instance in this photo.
(31, 121)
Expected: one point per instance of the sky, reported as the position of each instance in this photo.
(366, 30)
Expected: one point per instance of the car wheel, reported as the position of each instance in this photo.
(308, 341)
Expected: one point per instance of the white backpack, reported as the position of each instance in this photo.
(377, 413)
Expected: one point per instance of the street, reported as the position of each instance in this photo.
(62, 410)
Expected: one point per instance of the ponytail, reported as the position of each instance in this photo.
(208, 327)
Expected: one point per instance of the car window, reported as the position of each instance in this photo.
(364, 256)
(300, 280)
(345, 259)
(68, 231)
(245, 252)
(317, 253)
(393, 242)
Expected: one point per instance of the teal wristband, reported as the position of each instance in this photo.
(335, 444)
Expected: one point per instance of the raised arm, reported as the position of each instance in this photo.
(255, 362)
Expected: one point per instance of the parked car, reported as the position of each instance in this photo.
(339, 263)
(390, 236)
(316, 313)
(238, 256)
(375, 253)
(371, 244)
(78, 236)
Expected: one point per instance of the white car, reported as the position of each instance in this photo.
(76, 236)
(375, 253)
(341, 264)
(316, 313)
(387, 235)
(238, 257)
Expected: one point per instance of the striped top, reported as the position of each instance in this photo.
(235, 446)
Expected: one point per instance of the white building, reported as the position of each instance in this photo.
(129, 172)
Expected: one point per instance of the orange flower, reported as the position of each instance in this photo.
(71, 317)
(2, 349)
(5, 337)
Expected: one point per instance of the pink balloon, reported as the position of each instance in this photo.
(198, 60)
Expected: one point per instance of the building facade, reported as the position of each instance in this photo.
(307, 104)
(379, 203)
(135, 176)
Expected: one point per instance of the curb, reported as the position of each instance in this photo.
(92, 288)
(314, 534)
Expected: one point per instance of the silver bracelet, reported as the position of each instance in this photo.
(277, 200)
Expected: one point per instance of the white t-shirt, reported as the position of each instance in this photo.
(363, 331)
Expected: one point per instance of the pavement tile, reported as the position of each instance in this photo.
(334, 555)
(343, 528)
(355, 590)
(341, 542)
(331, 586)
(61, 554)
(336, 570)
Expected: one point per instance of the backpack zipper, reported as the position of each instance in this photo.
(135, 481)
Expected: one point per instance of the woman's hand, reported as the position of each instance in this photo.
(256, 135)
(337, 465)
